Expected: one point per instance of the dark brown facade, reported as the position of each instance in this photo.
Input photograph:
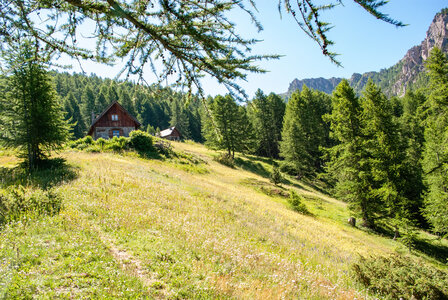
(114, 121)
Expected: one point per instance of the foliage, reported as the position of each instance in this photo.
(184, 39)
(266, 114)
(20, 203)
(296, 202)
(396, 277)
(140, 141)
(375, 163)
(73, 115)
(385, 154)
(225, 159)
(143, 143)
(346, 165)
(409, 235)
(304, 131)
(228, 126)
(180, 118)
(180, 41)
(117, 144)
(412, 132)
(435, 155)
(276, 176)
(31, 115)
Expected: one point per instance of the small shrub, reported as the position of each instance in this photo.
(409, 235)
(93, 149)
(397, 277)
(19, 202)
(88, 140)
(101, 143)
(225, 159)
(82, 146)
(296, 203)
(82, 143)
(164, 147)
(288, 168)
(276, 176)
(140, 141)
(117, 144)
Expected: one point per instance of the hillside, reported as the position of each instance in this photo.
(396, 80)
(181, 228)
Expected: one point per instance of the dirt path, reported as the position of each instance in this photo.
(132, 265)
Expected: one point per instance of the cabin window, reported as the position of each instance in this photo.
(114, 117)
(116, 133)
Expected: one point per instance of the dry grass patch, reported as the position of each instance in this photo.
(170, 232)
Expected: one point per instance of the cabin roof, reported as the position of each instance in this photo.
(168, 131)
(107, 109)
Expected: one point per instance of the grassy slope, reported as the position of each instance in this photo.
(146, 228)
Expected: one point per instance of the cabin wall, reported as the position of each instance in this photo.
(106, 132)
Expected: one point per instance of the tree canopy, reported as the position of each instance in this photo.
(180, 40)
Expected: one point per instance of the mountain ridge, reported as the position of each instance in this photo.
(406, 74)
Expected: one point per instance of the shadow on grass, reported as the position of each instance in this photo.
(295, 184)
(266, 188)
(433, 249)
(151, 155)
(252, 164)
(49, 173)
(430, 248)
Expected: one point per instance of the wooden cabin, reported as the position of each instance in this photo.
(113, 121)
(171, 134)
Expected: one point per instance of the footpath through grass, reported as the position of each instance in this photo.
(137, 228)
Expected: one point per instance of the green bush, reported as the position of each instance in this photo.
(17, 203)
(276, 176)
(396, 277)
(225, 159)
(88, 140)
(93, 149)
(296, 203)
(82, 143)
(117, 144)
(140, 141)
(409, 234)
(100, 143)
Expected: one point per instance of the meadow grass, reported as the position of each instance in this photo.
(139, 228)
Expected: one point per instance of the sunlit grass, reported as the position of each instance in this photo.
(168, 230)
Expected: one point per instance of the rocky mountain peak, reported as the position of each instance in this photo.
(413, 61)
(397, 79)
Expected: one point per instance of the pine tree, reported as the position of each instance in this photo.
(31, 112)
(304, 132)
(179, 118)
(74, 116)
(347, 163)
(266, 113)
(112, 94)
(412, 131)
(435, 156)
(100, 102)
(292, 147)
(385, 153)
(227, 127)
(88, 105)
(126, 102)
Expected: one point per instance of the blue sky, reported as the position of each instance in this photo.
(363, 42)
